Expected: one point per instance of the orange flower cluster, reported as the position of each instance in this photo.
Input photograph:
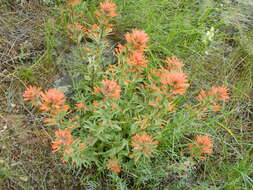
(173, 63)
(220, 93)
(106, 12)
(77, 27)
(144, 143)
(32, 94)
(137, 61)
(104, 15)
(80, 106)
(110, 89)
(63, 140)
(107, 9)
(176, 80)
(134, 49)
(113, 165)
(72, 3)
(214, 95)
(52, 101)
(203, 144)
(50, 121)
(173, 77)
(136, 40)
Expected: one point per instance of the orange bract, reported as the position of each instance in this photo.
(63, 139)
(80, 105)
(113, 165)
(108, 9)
(173, 63)
(53, 96)
(138, 61)
(220, 93)
(216, 107)
(53, 101)
(81, 146)
(202, 95)
(77, 27)
(119, 49)
(50, 121)
(176, 79)
(72, 3)
(32, 93)
(203, 144)
(214, 95)
(144, 143)
(137, 40)
(111, 89)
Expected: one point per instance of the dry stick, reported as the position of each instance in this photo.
(5, 126)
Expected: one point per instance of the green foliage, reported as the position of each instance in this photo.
(131, 117)
(192, 30)
(26, 74)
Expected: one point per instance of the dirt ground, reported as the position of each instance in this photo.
(26, 160)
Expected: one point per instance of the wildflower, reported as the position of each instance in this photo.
(208, 37)
(94, 31)
(119, 49)
(63, 139)
(214, 95)
(203, 144)
(53, 101)
(220, 93)
(154, 88)
(138, 61)
(176, 79)
(143, 143)
(217, 93)
(137, 40)
(152, 105)
(77, 27)
(32, 93)
(108, 9)
(171, 107)
(202, 95)
(49, 121)
(113, 165)
(72, 3)
(111, 89)
(81, 146)
(173, 63)
(216, 107)
(80, 105)
(53, 96)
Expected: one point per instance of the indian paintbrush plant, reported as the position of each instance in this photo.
(124, 113)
